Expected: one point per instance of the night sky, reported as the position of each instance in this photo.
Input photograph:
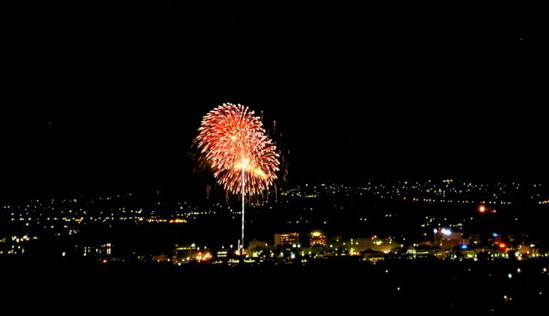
(102, 96)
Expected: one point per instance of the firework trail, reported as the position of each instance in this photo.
(242, 157)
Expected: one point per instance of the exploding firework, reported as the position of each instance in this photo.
(242, 157)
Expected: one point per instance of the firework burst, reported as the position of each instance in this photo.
(242, 157)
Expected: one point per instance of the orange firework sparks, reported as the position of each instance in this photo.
(234, 141)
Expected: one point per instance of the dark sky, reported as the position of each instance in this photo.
(107, 95)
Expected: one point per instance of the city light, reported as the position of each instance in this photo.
(446, 231)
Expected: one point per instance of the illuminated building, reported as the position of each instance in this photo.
(222, 254)
(184, 253)
(445, 238)
(288, 239)
(318, 239)
(160, 257)
(474, 238)
(98, 252)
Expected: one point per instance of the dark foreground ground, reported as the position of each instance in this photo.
(421, 287)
